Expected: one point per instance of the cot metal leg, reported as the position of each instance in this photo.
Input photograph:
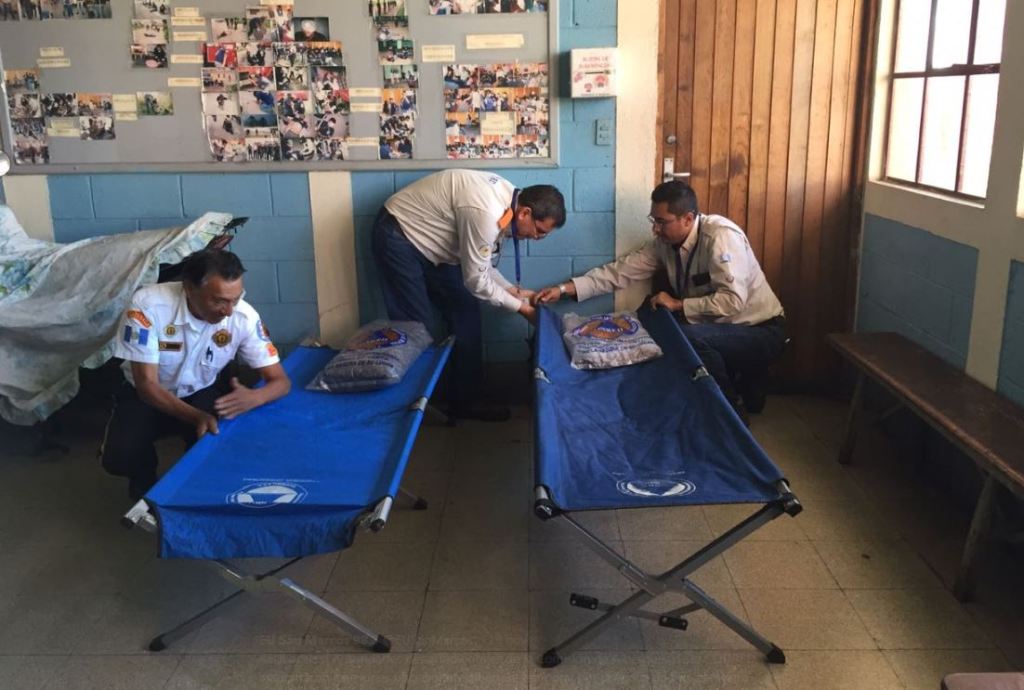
(963, 588)
(673, 579)
(699, 596)
(440, 416)
(418, 503)
(164, 640)
(377, 643)
(852, 422)
(267, 582)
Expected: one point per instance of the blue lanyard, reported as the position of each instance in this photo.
(515, 237)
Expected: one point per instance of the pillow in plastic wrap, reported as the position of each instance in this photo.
(377, 356)
(604, 341)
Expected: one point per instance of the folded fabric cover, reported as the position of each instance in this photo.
(378, 355)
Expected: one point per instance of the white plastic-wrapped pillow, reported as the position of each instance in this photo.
(604, 341)
(377, 356)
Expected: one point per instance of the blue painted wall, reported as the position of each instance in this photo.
(276, 245)
(1011, 362)
(919, 285)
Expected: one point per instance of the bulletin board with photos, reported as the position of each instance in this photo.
(237, 85)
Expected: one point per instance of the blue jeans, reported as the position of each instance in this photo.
(728, 349)
(412, 286)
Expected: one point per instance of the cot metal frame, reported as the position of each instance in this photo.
(675, 579)
(269, 581)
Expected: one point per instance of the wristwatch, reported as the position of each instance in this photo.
(562, 290)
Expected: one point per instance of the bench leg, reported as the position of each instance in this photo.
(963, 588)
(852, 422)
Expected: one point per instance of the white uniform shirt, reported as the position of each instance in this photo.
(159, 329)
(725, 283)
(452, 217)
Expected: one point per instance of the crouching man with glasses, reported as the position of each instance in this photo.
(719, 292)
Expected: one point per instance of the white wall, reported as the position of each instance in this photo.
(993, 227)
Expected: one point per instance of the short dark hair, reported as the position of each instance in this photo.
(199, 266)
(679, 196)
(544, 201)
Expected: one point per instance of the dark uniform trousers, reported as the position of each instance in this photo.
(135, 426)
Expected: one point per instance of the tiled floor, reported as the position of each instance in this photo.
(473, 590)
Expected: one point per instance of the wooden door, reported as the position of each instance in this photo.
(764, 103)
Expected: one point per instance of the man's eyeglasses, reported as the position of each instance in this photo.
(661, 222)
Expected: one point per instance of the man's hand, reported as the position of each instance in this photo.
(205, 422)
(663, 299)
(528, 312)
(240, 399)
(522, 293)
(555, 292)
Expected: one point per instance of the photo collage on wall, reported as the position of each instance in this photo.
(396, 55)
(274, 87)
(150, 33)
(30, 10)
(496, 111)
(486, 6)
(37, 116)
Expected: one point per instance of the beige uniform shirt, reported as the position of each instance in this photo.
(724, 284)
(452, 217)
(158, 328)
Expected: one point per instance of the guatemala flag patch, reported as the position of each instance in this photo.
(140, 335)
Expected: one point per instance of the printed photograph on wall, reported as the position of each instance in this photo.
(153, 103)
(311, 29)
(397, 123)
(31, 145)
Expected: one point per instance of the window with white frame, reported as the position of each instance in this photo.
(942, 100)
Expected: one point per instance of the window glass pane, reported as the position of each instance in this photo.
(904, 128)
(989, 46)
(981, 120)
(940, 140)
(952, 32)
(912, 35)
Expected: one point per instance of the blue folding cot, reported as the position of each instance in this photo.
(291, 479)
(659, 433)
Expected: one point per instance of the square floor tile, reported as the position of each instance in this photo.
(481, 621)
(838, 670)
(685, 523)
(778, 565)
(383, 566)
(924, 669)
(112, 672)
(29, 672)
(597, 670)
(470, 670)
(571, 566)
(876, 565)
(808, 619)
(917, 619)
(267, 623)
(232, 671)
(343, 671)
(465, 565)
(715, 670)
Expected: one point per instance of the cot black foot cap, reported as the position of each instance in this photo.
(550, 659)
(382, 645)
(157, 644)
(776, 656)
(420, 504)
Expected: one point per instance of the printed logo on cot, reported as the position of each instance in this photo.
(380, 339)
(267, 494)
(656, 488)
(606, 327)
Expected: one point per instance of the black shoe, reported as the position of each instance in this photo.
(481, 413)
(752, 388)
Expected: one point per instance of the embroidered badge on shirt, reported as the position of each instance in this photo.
(170, 330)
(170, 345)
(262, 331)
(139, 335)
(139, 318)
(485, 250)
(222, 337)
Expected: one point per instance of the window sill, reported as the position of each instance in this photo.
(889, 187)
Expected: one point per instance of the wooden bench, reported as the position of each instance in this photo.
(986, 426)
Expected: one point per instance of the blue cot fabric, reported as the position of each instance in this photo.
(645, 435)
(292, 477)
